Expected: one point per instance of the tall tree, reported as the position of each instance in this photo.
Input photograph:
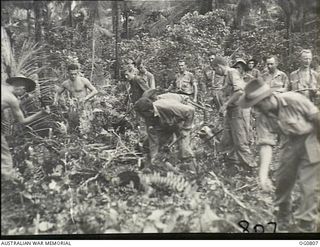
(38, 15)
(205, 6)
(116, 30)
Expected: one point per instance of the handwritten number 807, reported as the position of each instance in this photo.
(257, 228)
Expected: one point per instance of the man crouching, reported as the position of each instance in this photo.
(164, 118)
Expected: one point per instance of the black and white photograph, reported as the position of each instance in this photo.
(162, 116)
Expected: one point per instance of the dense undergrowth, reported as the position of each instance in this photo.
(70, 184)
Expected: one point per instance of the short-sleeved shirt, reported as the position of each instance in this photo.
(207, 80)
(300, 80)
(251, 74)
(172, 113)
(293, 119)
(173, 96)
(232, 83)
(211, 79)
(278, 81)
(184, 83)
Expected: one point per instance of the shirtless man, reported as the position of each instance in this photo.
(77, 86)
(15, 87)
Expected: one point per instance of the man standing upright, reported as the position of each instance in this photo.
(76, 85)
(80, 114)
(144, 74)
(252, 71)
(235, 139)
(274, 77)
(305, 80)
(293, 118)
(16, 87)
(185, 82)
(211, 85)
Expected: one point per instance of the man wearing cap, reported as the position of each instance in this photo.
(235, 139)
(164, 118)
(305, 80)
(144, 74)
(241, 65)
(252, 71)
(185, 82)
(274, 77)
(15, 87)
(296, 120)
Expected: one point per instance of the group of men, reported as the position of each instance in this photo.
(284, 110)
(286, 115)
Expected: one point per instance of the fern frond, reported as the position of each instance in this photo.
(172, 181)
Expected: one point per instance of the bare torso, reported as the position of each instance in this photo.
(6, 97)
(76, 88)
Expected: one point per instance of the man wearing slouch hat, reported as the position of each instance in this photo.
(296, 120)
(15, 87)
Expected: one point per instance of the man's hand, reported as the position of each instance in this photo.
(266, 183)
(223, 109)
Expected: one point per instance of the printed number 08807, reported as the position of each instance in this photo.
(308, 242)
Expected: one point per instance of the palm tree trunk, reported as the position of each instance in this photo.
(115, 10)
(70, 13)
(29, 22)
(205, 6)
(37, 16)
(126, 16)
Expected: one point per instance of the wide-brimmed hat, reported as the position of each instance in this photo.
(255, 91)
(29, 84)
(239, 60)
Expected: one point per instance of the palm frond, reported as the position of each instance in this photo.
(27, 55)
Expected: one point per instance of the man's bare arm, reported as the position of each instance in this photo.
(152, 82)
(93, 90)
(265, 161)
(195, 88)
(16, 110)
(58, 94)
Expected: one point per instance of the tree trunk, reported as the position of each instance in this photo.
(38, 18)
(7, 60)
(205, 6)
(70, 13)
(126, 20)
(116, 22)
(29, 22)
